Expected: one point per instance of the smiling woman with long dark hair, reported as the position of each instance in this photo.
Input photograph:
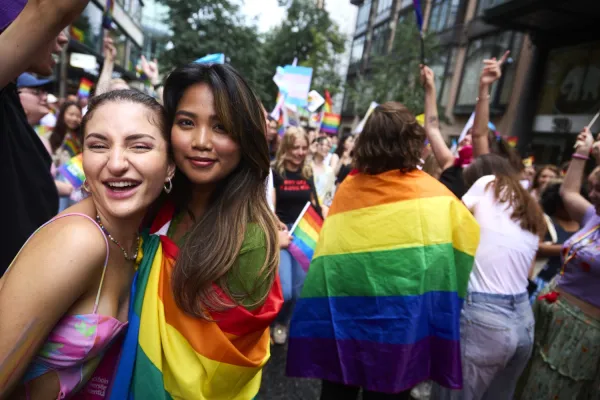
(208, 286)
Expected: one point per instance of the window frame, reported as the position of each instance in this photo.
(365, 8)
(450, 17)
(496, 106)
(362, 37)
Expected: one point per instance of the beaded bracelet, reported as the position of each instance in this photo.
(485, 98)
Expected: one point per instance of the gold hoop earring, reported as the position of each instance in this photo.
(84, 186)
(168, 186)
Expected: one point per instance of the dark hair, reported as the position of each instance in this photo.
(60, 130)
(156, 117)
(508, 189)
(551, 167)
(340, 149)
(391, 139)
(550, 199)
(209, 255)
(501, 147)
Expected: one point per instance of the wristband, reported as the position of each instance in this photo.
(487, 97)
(580, 157)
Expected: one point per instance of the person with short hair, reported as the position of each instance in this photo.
(382, 299)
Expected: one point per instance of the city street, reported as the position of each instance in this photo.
(276, 386)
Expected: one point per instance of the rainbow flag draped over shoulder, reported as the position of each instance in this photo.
(382, 299)
(168, 354)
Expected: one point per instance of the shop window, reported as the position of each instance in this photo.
(485, 48)
(362, 19)
(444, 72)
(380, 38)
(443, 15)
(485, 4)
(87, 29)
(358, 47)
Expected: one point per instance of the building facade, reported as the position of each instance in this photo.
(550, 84)
(87, 35)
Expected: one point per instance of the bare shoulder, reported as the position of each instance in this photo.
(71, 243)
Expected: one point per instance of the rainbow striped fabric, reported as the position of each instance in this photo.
(382, 300)
(85, 85)
(330, 121)
(305, 236)
(77, 34)
(168, 354)
(72, 170)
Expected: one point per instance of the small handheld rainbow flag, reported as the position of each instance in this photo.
(107, 16)
(77, 34)
(305, 234)
(85, 85)
(331, 121)
(72, 170)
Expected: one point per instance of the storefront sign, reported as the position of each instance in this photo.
(84, 61)
(571, 89)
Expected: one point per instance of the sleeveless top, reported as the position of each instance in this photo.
(75, 346)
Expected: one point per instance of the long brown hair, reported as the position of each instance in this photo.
(391, 139)
(508, 190)
(210, 253)
(287, 143)
(550, 167)
(60, 130)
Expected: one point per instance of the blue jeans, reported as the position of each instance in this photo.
(292, 278)
(496, 333)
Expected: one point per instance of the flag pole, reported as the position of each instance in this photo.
(422, 48)
(300, 217)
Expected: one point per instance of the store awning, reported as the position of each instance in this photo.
(542, 16)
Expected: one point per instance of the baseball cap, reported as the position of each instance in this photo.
(27, 80)
(9, 10)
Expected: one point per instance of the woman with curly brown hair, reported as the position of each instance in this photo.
(381, 302)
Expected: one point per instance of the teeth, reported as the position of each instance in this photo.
(121, 184)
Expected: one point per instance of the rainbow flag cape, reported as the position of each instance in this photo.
(305, 234)
(85, 85)
(72, 170)
(382, 299)
(167, 354)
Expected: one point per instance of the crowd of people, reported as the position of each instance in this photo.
(168, 273)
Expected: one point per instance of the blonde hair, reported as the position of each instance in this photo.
(287, 143)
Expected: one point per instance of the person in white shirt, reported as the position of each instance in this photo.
(497, 322)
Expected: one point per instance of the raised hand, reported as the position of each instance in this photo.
(150, 68)
(427, 78)
(110, 51)
(584, 142)
(492, 70)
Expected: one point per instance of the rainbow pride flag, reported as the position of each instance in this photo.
(330, 121)
(85, 85)
(169, 354)
(305, 234)
(71, 145)
(107, 15)
(77, 34)
(72, 170)
(382, 299)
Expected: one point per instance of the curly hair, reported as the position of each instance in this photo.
(391, 139)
